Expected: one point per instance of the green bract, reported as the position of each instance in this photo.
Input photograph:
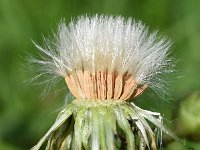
(104, 124)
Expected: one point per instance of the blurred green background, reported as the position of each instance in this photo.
(25, 115)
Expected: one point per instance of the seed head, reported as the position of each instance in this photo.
(106, 57)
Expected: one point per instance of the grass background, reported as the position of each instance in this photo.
(25, 116)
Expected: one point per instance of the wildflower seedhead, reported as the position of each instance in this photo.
(105, 61)
(107, 57)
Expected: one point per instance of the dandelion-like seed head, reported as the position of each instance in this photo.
(105, 61)
(107, 57)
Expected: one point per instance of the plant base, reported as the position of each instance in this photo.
(104, 124)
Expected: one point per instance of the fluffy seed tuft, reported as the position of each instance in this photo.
(107, 44)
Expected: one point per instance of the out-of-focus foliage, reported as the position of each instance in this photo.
(189, 116)
(24, 117)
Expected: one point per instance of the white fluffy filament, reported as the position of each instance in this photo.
(108, 44)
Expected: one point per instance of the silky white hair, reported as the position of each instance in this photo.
(106, 43)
